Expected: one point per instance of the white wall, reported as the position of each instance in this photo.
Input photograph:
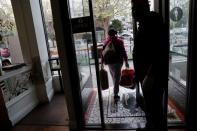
(40, 37)
(15, 49)
(21, 105)
(33, 44)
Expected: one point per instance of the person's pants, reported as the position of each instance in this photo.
(115, 71)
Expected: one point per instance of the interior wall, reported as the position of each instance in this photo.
(15, 49)
(191, 84)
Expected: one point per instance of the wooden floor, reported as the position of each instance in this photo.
(53, 113)
(51, 116)
(59, 128)
(40, 128)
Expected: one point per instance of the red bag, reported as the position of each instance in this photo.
(127, 77)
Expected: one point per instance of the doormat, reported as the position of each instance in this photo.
(93, 113)
(125, 107)
(124, 111)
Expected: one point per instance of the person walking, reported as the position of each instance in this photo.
(150, 54)
(115, 59)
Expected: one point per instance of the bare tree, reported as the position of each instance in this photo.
(106, 10)
(7, 22)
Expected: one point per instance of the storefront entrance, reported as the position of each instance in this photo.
(96, 106)
(99, 107)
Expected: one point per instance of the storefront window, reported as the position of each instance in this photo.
(50, 37)
(11, 55)
(179, 17)
(50, 32)
(10, 50)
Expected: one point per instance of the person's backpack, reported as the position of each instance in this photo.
(109, 52)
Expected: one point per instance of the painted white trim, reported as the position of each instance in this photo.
(49, 89)
(56, 83)
(21, 105)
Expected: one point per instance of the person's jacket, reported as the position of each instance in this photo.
(120, 55)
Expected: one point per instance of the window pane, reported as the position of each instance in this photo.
(179, 16)
(48, 19)
(79, 8)
(86, 67)
(10, 48)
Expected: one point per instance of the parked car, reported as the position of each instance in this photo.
(179, 48)
(126, 36)
(4, 52)
(80, 43)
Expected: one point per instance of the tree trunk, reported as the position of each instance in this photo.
(106, 26)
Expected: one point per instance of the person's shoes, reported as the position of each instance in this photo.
(116, 97)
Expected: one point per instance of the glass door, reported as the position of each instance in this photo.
(125, 114)
(99, 109)
(179, 18)
(85, 44)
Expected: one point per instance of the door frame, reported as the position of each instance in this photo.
(96, 64)
(190, 92)
(164, 12)
(69, 67)
(191, 84)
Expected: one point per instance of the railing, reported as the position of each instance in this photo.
(178, 61)
(15, 85)
(85, 56)
(56, 69)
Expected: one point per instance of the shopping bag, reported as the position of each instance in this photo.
(104, 82)
(127, 78)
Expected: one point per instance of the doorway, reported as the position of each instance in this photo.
(98, 109)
